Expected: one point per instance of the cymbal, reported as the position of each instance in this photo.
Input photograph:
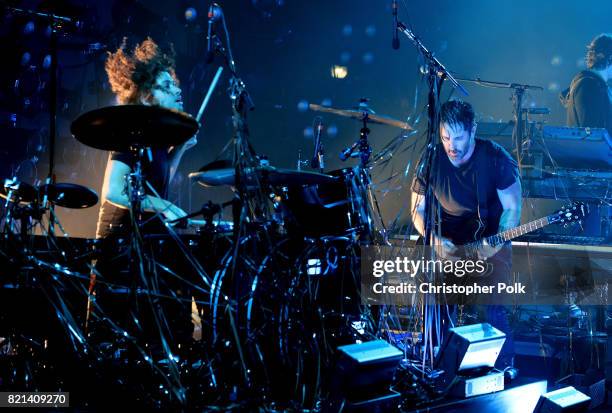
(69, 195)
(361, 114)
(22, 192)
(119, 128)
(270, 174)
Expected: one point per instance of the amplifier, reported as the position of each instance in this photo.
(475, 386)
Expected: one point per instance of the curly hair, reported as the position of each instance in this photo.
(599, 52)
(132, 77)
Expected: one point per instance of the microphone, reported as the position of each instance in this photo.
(395, 42)
(214, 13)
(348, 152)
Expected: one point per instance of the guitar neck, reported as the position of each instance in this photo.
(515, 232)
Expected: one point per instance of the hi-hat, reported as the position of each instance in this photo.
(121, 128)
(69, 195)
(61, 194)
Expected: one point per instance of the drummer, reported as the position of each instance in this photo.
(144, 77)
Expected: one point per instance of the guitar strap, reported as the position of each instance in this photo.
(482, 176)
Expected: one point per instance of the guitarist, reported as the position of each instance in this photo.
(476, 192)
(475, 184)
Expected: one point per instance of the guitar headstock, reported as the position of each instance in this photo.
(570, 214)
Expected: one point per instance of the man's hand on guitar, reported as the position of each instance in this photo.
(487, 250)
(444, 247)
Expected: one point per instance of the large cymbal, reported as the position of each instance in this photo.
(270, 174)
(118, 128)
(70, 195)
(361, 114)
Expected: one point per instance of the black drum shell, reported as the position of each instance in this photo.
(323, 209)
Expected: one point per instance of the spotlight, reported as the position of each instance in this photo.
(347, 30)
(46, 63)
(368, 58)
(314, 266)
(29, 28)
(308, 132)
(332, 131)
(339, 72)
(370, 30)
(345, 57)
(302, 105)
(191, 14)
(326, 102)
(26, 58)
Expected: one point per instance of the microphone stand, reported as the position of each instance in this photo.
(519, 138)
(436, 74)
(56, 24)
(249, 203)
(318, 161)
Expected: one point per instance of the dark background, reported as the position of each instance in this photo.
(284, 51)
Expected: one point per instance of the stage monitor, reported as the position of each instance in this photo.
(469, 348)
(565, 400)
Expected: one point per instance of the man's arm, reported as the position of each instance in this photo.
(510, 199)
(418, 221)
(418, 212)
(113, 190)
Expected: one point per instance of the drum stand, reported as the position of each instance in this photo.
(360, 183)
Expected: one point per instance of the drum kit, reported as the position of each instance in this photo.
(272, 294)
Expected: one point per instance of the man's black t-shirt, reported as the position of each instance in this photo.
(113, 220)
(458, 189)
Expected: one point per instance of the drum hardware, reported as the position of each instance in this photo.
(71, 196)
(126, 128)
(208, 211)
(267, 173)
(359, 188)
(137, 129)
(318, 158)
(26, 202)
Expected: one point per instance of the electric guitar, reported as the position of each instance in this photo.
(567, 215)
